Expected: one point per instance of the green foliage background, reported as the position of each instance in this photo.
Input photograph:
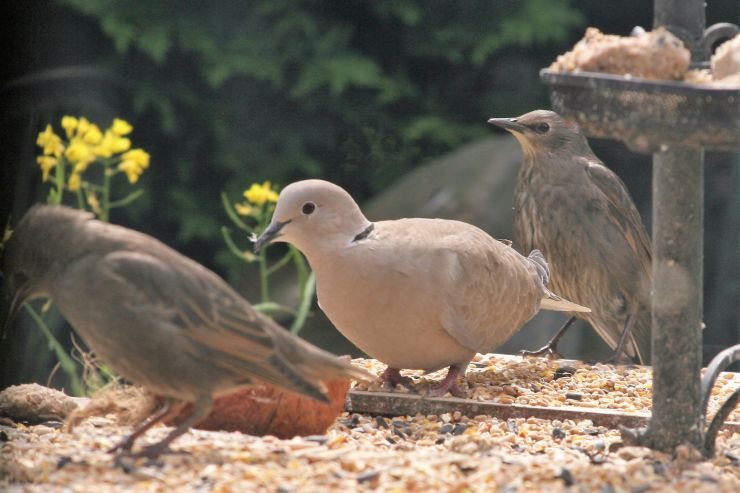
(352, 91)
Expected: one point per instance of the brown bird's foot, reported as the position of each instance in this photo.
(620, 356)
(123, 447)
(392, 377)
(151, 452)
(449, 384)
(550, 350)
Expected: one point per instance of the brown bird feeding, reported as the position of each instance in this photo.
(157, 317)
(578, 212)
(413, 293)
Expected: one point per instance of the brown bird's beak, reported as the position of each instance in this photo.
(271, 233)
(510, 124)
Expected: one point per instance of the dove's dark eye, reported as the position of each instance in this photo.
(308, 208)
(542, 128)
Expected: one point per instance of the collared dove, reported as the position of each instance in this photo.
(157, 317)
(412, 293)
(579, 214)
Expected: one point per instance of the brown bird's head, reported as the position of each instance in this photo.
(41, 245)
(542, 131)
(311, 213)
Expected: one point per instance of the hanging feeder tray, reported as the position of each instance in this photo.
(647, 114)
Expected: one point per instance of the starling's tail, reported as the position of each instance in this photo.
(309, 366)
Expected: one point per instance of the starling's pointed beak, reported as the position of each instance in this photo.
(510, 124)
(271, 233)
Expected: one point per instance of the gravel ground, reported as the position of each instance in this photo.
(446, 452)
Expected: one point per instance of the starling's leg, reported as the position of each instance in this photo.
(169, 409)
(449, 384)
(392, 377)
(201, 408)
(550, 349)
(620, 357)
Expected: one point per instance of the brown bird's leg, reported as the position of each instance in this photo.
(550, 349)
(201, 408)
(620, 357)
(170, 408)
(449, 384)
(392, 377)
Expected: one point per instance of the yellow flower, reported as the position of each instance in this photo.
(82, 126)
(243, 209)
(133, 163)
(94, 203)
(69, 123)
(51, 142)
(261, 194)
(132, 169)
(79, 152)
(112, 144)
(121, 127)
(139, 156)
(47, 164)
(93, 136)
(74, 182)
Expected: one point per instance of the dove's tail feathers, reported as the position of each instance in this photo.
(543, 270)
(551, 301)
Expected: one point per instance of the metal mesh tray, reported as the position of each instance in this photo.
(647, 114)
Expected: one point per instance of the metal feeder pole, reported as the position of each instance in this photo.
(678, 231)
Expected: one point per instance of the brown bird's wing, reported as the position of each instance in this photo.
(625, 217)
(622, 211)
(216, 326)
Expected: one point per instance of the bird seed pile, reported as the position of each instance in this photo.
(555, 383)
(443, 452)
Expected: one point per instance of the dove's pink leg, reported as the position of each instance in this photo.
(449, 384)
(392, 376)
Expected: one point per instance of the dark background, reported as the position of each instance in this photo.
(357, 92)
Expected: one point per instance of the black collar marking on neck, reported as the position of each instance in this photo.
(364, 234)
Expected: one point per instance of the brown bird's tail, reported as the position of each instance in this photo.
(551, 301)
(309, 366)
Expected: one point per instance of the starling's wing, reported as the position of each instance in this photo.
(625, 217)
(622, 211)
(218, 327)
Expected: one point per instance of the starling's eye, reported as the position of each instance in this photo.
(308, 208)
(542, 128)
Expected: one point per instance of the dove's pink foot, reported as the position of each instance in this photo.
(449, 384)
(392, 377)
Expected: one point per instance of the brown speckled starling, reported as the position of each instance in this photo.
(574, 209)
(157, 317)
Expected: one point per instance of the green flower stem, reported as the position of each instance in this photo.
(66, 362)
(300, 265)
(280, 263)
(233, 248)
(80, 199)
(105, 203)
(55, 197)
(272, 307)
(264, 287)
(307, 295)
(126, 200)
(232, 213)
